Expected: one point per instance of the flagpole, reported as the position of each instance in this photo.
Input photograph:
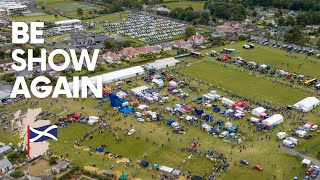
(28, 143)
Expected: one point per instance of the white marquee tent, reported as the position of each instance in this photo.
(273, 120)
(307, 104)
(115, 76)
(163, 63)
(227, 101)
(257, 111)
(166, 169)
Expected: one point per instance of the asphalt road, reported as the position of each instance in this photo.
(294, 152)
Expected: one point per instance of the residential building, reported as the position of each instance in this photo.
(5, 165)
(61, 166)
(145, 49)
(111, 57)
(128, 53)
(3, 12)
(6, 63)
(196, 40)
(5, 35)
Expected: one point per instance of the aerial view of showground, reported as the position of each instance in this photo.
(188, 90)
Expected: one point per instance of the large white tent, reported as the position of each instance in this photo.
(163, 63)
(307, 104)
(257, 111)
(273, 120)
(227, 101)
(115, 75)
(166, 169)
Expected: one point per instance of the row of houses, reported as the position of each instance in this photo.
(130, 52)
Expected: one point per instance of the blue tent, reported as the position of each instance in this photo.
(208, 117)
(216, 109)
(144, 164)
(100, 149)
(115, 100)
(126, 110)
(170, 121)
(220, 122)
(199, 111)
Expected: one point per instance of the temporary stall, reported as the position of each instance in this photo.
(92, 120)
(213, 92)
(254, 120)
(301, 133)
(173, 84)
(273, 120)
(176, 172)
(163, 63)
(227, 101)
(238, 104)
(175, 124)
(307, 104)
(281, 135)
(114, 76)
(257, 111)
(216, 109)
(142, 107)
(206, 127)
(121, 94)
(166, 169)
(144, 164)
(139, 90)
(158, 82)
(306, 162)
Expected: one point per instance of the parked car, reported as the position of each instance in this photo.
(257, 167)
(140, 119)
(309, 171)
(308, 136)
(132, 131)
(244, 162)
(314, 173)
(224, 134)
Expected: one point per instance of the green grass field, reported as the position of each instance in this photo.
(114, 17)
(264, 152)
(72, 7)
(37, 17)
(244, 83)
(196, 5)
(276, 57)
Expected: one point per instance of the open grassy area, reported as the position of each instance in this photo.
(244, 83)
(37, 17)
(196, 5)
(276, 57)
(113, 17)
(259, 150)
(72, 7)
(48, 2)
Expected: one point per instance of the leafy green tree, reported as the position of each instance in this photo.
(80, 11)
(190, 30)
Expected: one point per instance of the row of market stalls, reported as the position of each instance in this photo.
(166, 169)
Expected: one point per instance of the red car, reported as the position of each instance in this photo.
(309, 171)
(258, 167)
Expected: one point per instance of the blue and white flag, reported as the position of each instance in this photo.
(43, 133)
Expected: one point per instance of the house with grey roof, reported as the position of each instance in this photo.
(61, 166)
(5, 165)
(5, 150)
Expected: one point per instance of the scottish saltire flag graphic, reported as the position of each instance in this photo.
(43, 133)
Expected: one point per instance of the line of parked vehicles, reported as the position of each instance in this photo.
(288, 48)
